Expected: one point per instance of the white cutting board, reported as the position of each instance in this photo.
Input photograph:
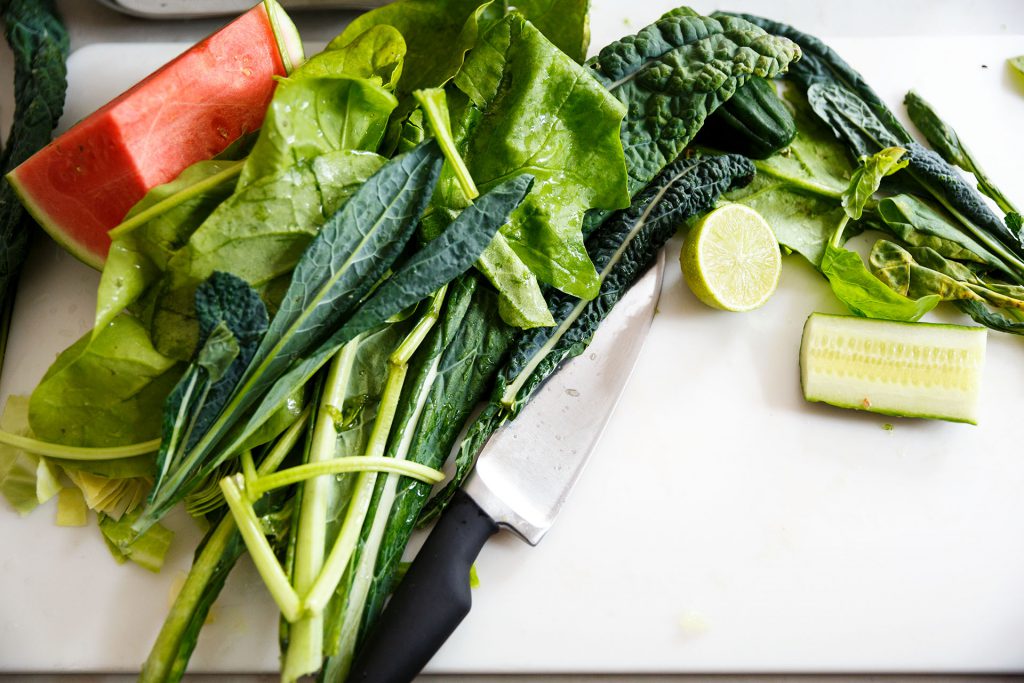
(723, 526)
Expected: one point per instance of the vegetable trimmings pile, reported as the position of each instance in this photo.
(439, 209)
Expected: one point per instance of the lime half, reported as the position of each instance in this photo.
(731, 259)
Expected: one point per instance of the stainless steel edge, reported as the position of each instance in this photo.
(189, 9)
(528, 468)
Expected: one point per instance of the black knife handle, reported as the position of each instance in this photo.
(430, 602)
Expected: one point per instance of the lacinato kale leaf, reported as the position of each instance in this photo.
(259, 233)
(232, 321)
(39, 42)
(674, 73)
(440, 261)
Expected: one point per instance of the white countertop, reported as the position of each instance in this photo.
(88, 23)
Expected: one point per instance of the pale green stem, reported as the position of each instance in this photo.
(56, 450)
(305, 643)
(159, 666)
(326, 584)
(248, 474)
(284, 444)
(357, 463)
(259, 548)
(435, 106)
(165, 205)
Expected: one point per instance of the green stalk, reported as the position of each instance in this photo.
(56, 450)
(165, 205)
(259, 547)
(345, 546)
(305, 644)
(164, 658)
(358, 463)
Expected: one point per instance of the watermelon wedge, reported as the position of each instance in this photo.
(83, 183)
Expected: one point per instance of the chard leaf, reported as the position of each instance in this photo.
(17, 468)
(573, 150)
(377, 54)
(345, 260)
(104, 390)
(258, 234)
(138, 258)
(674, 73)
(309, 117)
(147, 550)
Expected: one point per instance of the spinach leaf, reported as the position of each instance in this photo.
(438, 33)
(851, 281)
(917, 223)
(623, 248)
(39, 43)
(138, 257)
(345, 260)
(232, 321)
(377, 54)
(258, 234)
(674, 73)
(573, 150)
(865, 294)
(309, 117)
(105, 390)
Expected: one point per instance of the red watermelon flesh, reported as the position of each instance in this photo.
(83, 183)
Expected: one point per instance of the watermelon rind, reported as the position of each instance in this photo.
(289, 43)
(76, 249)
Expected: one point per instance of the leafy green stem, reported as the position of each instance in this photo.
(305, 645)
(356, 463)
(56, 450)
(176, 199)
(259, 548)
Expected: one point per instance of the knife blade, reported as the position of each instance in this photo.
(520, 482)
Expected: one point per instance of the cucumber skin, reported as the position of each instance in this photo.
(871, 409)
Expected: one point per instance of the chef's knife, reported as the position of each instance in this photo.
(521, 481)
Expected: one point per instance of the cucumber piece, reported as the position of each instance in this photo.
(893, 368)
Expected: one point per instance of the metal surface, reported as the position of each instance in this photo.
(187, 9)
(530, 466)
